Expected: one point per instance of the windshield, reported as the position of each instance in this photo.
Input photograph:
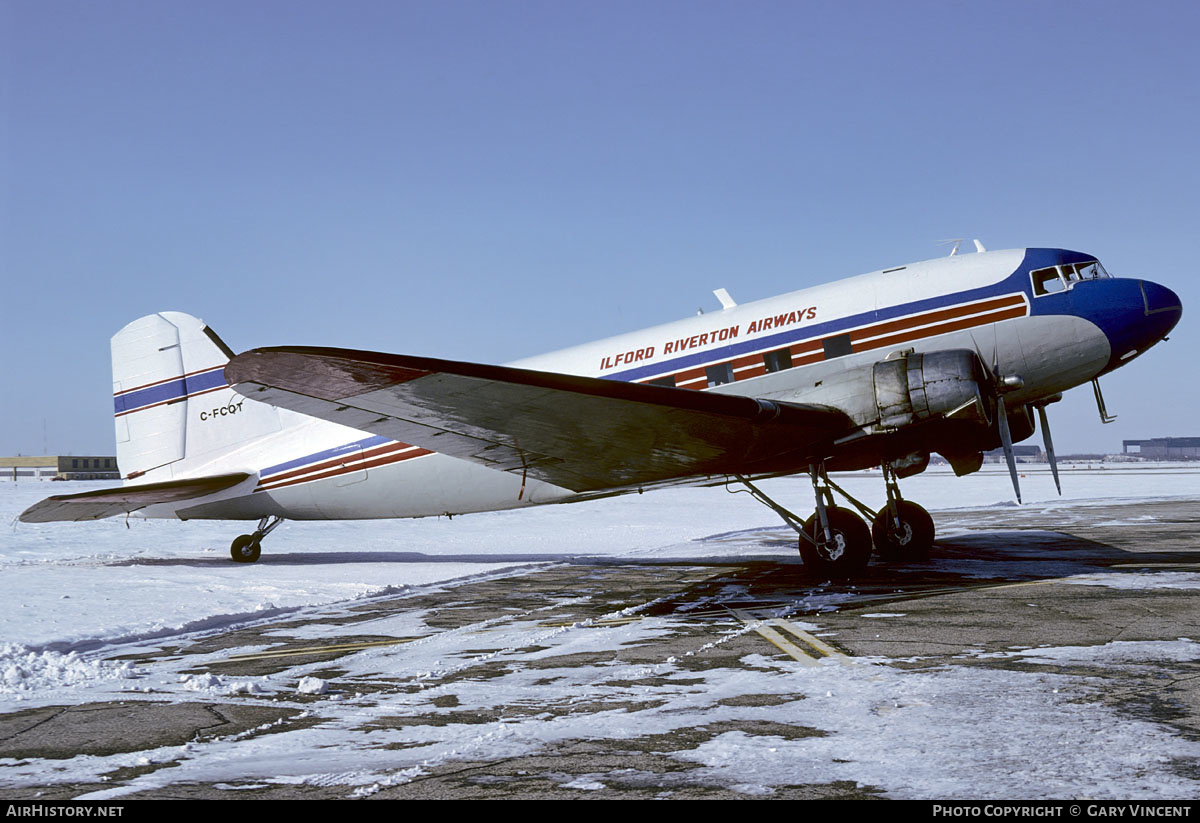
(1091, 270)
(1053, 279)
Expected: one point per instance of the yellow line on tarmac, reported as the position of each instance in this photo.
(766, 628)
(818, 644)
(784, 645)
(296, 652)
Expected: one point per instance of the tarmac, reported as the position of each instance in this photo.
(997, 581)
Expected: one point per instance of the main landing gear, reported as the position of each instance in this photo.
(901, 530)
(247, 548)
(835, 542)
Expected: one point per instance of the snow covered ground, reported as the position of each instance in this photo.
(74, 595)
(68, 584)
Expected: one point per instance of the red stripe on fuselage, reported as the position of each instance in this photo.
(874, 336)
(343, 464)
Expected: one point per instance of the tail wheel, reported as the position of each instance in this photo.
(848, 550)
(246, 548)
(908, 541)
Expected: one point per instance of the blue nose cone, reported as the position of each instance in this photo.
(1161, 300)
(1162, 308)
(1141, 326)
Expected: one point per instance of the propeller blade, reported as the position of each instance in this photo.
(1044, 421)
(1006, 441)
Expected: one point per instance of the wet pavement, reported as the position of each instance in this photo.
(999, 586)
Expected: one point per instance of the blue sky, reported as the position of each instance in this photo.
(489, 180)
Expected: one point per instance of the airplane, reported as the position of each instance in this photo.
(952, 355)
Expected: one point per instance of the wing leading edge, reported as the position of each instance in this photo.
(579, 433)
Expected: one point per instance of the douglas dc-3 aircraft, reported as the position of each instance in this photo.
(950, 356)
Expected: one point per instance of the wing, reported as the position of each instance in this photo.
(95, 505)
(579, 433)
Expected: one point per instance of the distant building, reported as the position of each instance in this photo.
(1023, 454)
(60, 467)
(1163, 448)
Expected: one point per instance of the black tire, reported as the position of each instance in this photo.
(246, 548)
(911, 542)
(849, 552)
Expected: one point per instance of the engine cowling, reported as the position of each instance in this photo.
(915, 387)
(953, 387)
(914, 403)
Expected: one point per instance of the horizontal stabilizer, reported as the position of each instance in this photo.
(579, 433)
(95, 505)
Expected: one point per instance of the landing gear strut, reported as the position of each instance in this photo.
(835, 542)
(247, 548)
(901, 530)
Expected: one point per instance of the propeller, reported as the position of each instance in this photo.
(1009, 383)
(1006, 442)
(1044, 422)
(1003, 384)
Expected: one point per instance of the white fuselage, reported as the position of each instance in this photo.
(313, 469)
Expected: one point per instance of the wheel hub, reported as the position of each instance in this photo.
(835, 548)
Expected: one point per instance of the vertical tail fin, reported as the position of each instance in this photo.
(173, 409)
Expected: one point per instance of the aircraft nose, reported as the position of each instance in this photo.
(1133, 328)
(1161, 310)
(1160, 299)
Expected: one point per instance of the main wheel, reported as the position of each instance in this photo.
(911, 541)
(846, 554)
(246, 548)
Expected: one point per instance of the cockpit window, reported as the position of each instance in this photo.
(1054, 279)
(1092, 270)
(1047, 281)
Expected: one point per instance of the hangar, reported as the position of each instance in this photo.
(60, 467)
(1163, 448)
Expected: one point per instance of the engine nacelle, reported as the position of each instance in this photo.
(916, 387)
(914, 403)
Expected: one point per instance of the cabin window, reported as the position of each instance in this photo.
(778, 360)
(838, 346)
(719, 374)
(668, 381)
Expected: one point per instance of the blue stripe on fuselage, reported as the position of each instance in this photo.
(1017, 281)
(366, 443)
